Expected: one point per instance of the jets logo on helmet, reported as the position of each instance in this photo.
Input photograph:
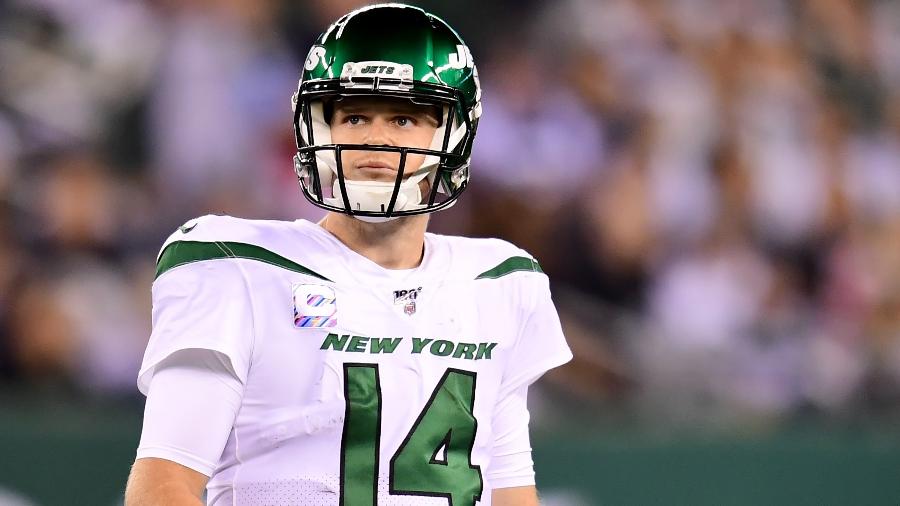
(462, 58)
(420, 58)
(316, 56)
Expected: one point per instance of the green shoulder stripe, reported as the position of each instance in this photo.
(185, 252)
(510, 265)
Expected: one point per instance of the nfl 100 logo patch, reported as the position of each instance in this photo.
(315, 306)
(407, 299)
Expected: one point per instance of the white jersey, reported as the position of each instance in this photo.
(360, 385)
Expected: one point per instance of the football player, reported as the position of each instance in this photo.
(360, 360)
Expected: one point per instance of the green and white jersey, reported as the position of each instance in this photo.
(359, 385)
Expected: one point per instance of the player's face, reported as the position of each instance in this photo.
(381, 121)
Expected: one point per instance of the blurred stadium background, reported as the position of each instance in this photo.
(713, 187)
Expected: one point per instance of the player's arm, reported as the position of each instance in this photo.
(162, 482)
(515, 496)
(193, 374)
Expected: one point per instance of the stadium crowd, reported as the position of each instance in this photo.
(713, 186)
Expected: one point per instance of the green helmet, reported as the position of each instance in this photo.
(387, 50)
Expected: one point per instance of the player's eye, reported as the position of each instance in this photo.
(405, 121)
(353, 119)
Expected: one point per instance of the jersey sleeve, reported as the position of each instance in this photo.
(192, 402)
(541, 345)
(511, 464)
(201, 305)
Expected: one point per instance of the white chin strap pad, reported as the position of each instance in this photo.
(376, 195)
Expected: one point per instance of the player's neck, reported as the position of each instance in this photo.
(395, 244)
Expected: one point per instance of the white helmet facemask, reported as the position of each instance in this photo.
(376, 195)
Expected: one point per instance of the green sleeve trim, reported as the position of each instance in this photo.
(186, 252)
(510, 265)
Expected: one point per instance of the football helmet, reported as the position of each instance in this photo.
(387, 50)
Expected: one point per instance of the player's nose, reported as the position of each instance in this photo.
(378, 132)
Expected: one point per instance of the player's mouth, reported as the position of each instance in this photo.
(377, 170)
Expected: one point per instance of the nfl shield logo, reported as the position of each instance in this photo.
(407, 298)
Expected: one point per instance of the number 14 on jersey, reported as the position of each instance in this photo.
(435, 458)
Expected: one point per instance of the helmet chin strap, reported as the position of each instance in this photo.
(376, 196)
